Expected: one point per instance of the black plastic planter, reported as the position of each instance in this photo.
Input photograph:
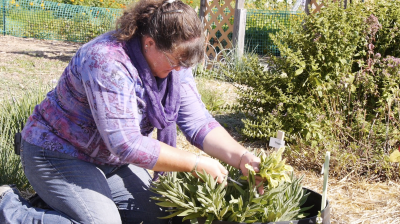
(314, 199)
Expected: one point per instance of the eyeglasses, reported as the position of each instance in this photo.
(169, 61)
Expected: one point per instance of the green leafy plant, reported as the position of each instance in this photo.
(274, 169)
(333, 88)
(210, 95)
(119, 4)
(190, 198)
(13, 114)
(49, 20)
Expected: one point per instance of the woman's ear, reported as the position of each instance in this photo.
(148, 43)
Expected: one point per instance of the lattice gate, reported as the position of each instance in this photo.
(218, 18)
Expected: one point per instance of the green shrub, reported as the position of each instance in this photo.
(334, 88)
(118, 4)
(270, 4)
(13, 114)
(211, 96)
(49, 20)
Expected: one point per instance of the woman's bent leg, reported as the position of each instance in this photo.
(130, 189)
(72, 187)
(15, 209)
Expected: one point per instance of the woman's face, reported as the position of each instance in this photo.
(160, 62)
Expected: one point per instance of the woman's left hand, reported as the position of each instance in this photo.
(254, 161)
(220, 144)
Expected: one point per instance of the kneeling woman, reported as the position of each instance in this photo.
(87, 147)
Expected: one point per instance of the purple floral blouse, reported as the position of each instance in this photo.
(97, 111)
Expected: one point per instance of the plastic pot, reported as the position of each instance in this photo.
(313, 199)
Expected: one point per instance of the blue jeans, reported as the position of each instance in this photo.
(81, 192)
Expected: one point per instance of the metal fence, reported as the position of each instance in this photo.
(55, 21)
(58, 21)
(261, 23)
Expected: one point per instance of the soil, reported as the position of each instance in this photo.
(351, 201)
(26, 62)
(13, 46)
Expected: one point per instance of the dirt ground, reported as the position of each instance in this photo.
(351, 201)
(27, 62)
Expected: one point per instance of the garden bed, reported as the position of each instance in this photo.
(26, 62)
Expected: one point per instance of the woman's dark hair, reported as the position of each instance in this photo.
(174, 26)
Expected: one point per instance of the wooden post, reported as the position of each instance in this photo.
(202, 10)
(280, 135)
(239, 27)
(308, 2)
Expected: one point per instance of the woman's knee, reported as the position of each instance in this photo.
(145, 217)
(106, 217)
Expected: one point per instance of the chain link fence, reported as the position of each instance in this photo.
(58, 21)
(55, 21)
(261, 23)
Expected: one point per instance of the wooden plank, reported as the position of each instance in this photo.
(202, 11)
(209, 17)
(239, 4)
(307, 5)
(280, 135)
(239, 30)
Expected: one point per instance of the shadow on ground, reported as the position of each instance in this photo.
(232, 122)
(64, 56)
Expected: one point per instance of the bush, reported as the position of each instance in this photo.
(13, 114)
(118, 4)
(335, 88)
(49, 20)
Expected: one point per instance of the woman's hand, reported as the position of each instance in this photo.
(212, 167)
(254, 161)
(220, 144)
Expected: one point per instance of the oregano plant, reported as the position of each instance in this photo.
(335, 87)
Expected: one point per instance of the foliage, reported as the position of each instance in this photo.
(273, 169)
(334, 88)
(122, 4)
(193, 199)
(51, 21)
(261, 23)
(13, 114)
(118, 4)
(395, 156)
(210, 96)
(193, 3)
(270, 4)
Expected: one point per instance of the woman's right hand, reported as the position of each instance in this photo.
(212, 167)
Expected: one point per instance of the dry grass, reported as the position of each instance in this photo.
(358, 201)
(26, 62)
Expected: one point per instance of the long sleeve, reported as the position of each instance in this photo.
(97, 110)
(111, 90)
(194, 120)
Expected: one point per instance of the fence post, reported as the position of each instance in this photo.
(239, 27)
(306, 9)
(4, 17)
(202, 10)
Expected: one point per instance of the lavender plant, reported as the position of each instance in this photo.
(13, 114)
